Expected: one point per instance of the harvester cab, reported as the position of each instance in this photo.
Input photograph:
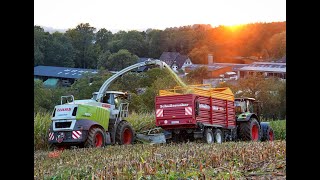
(119, 102)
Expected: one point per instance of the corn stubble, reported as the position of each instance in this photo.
(192, 160)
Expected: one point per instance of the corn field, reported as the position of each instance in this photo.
(192, 160)
(230, 160)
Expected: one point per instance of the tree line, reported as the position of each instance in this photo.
(145, 86)
(85, 47)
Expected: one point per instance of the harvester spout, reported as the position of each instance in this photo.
(155, 62)
(99, 95)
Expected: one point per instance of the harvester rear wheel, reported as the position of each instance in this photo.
(208, 136)
(249, 131)
(218, 136)
(124, 133)
(95, 138)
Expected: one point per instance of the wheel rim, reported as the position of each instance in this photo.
(270, 136)
(98, 140)
(255, 132)
(127, 136)
(218, 138)
(209, 138)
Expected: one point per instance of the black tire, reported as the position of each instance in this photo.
(125, 133)
(218, 136)
(268, 135)
(208, 136)
(95, 138)
(249, 130)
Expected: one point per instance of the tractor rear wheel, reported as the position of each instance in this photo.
(124, 133)
(95, 138)
(208, 136)
(249, 131)
(218, 136)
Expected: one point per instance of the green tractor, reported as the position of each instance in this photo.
(95, 122)
(250, 127)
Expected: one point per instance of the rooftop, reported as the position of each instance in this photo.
(265, 66)
(62, 72)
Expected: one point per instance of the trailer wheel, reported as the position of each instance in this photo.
(95, 138)
(218, 136)
(124, 133)
(249, 131)
(208, 136)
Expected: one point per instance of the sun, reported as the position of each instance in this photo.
(235, 27)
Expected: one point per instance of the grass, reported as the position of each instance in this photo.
(41, 124)
(230, 160)
(279, 129)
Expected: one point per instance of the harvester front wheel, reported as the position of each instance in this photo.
(95, 138)
(208, 136)
(125, 133)
(249, 131)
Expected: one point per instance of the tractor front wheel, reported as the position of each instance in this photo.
(269, 134)
(95, 138)
(124, 133)
(249, 131)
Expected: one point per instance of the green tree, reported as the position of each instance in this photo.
(165, 81)
(82, 38)
(120, 60)
(42, 97)
(199, 55)
(59, 51)
(277, 45)
(196, 76)
(88, 84)
(155, 43)
(135, 43)
(252, 85)
(151, 75)
(103, 59)
(130, 81)
(103, 38)
(39, 44)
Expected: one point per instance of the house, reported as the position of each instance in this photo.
(52, 76)
(175, 60)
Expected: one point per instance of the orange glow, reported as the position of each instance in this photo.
(235, 27)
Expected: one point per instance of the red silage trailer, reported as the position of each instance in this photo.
(207, 114)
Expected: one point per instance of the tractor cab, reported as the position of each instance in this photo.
(244, 105)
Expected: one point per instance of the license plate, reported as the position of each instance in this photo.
(174, 122)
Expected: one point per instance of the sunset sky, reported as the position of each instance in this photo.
(156, 14)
